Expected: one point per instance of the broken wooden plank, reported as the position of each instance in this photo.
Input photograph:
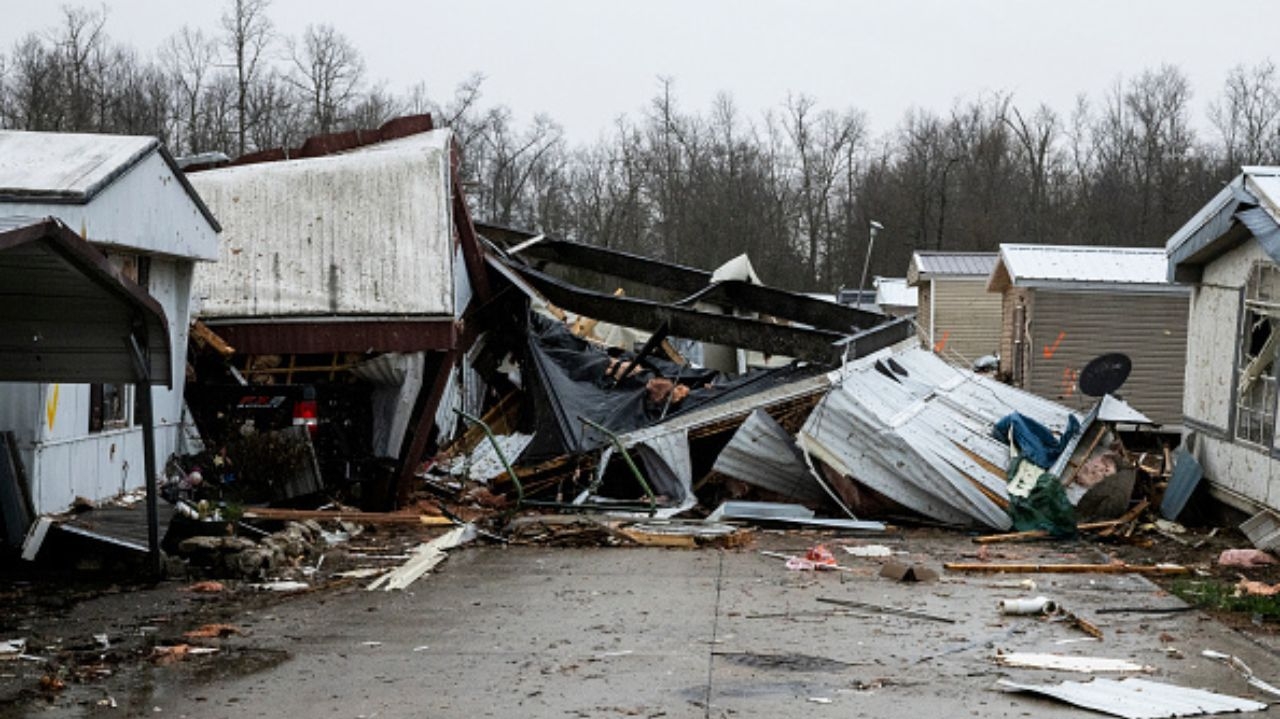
(301, 515)
(1129, 516)
(205, 337)
(1066, 568)
(1042, 534)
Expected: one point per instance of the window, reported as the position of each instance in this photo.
(109, 404)
(1259, 339)
(108, 407)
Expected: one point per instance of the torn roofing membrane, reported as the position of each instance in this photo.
(568, 382)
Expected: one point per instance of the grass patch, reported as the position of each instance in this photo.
(1221, 596)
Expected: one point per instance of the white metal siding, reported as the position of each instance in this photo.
(146, 210)
(1068, 329)
(1247, 471)
(367, 233)
(1212, 336)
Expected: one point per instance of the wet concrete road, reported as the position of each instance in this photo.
(532, 632)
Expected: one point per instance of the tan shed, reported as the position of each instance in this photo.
(956, 316)
(1062, 306)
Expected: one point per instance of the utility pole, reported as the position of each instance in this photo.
(875, 228)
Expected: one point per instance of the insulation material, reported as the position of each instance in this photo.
(397, 380)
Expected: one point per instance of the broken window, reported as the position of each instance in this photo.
(1259, 339)
(108, 407)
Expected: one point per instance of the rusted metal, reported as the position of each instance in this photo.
(320, 145)
(322, 336)
(466, 232)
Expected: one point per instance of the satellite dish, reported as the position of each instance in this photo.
(1106, 374)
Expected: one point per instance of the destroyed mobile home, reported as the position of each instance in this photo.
(373, 352)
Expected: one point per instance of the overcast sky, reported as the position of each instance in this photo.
(586, 63)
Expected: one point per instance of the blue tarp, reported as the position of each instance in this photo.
(1035, 442)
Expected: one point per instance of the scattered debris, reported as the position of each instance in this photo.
(281, 586)
(1134, 698)
(1066, 568)
(901, 572)
(885, 609)
(1245, 558)
(1087, 665)
(212, 631)
(207, 586)
(12, 648)
(1243, 669)
(425, 558)
(1036, 605)
(875, 551)
(1263, 530)
(1255, 588)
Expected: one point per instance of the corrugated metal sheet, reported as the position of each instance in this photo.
(1028, 265)
(761, 453)
(1139, 698)
(920, 433)
(966, 319)
(364, 233)
(950, 264)
(1068, 329)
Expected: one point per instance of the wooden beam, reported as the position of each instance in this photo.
(206, 337)
(1116, 568)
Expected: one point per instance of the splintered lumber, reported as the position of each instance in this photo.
(1129, 516)
(1021, 568)
(206, 337)
(301, 515)
(1042, 534)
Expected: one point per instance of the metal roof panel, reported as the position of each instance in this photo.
(1031, 264)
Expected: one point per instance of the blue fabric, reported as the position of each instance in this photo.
(1034, 441)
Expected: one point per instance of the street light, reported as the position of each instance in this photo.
(875, 228)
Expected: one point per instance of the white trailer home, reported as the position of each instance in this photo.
(128, 198)
(1229, 252)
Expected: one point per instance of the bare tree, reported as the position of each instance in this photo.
(190, 56)
(247, 35)
(327, 70)
(1247, 115)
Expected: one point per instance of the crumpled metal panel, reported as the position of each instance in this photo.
(918, 430)
(762, 454)
(363, 233)
(1139, 698)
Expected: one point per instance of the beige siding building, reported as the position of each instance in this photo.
(956, 316)
(1063, 306)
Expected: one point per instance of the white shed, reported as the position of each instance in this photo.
(1229, 252)
(128, 198)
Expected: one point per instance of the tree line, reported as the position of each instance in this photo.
(795, 187)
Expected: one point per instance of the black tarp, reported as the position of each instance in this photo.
(566, 378)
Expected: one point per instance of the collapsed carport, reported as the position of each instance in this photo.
(66, 315)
